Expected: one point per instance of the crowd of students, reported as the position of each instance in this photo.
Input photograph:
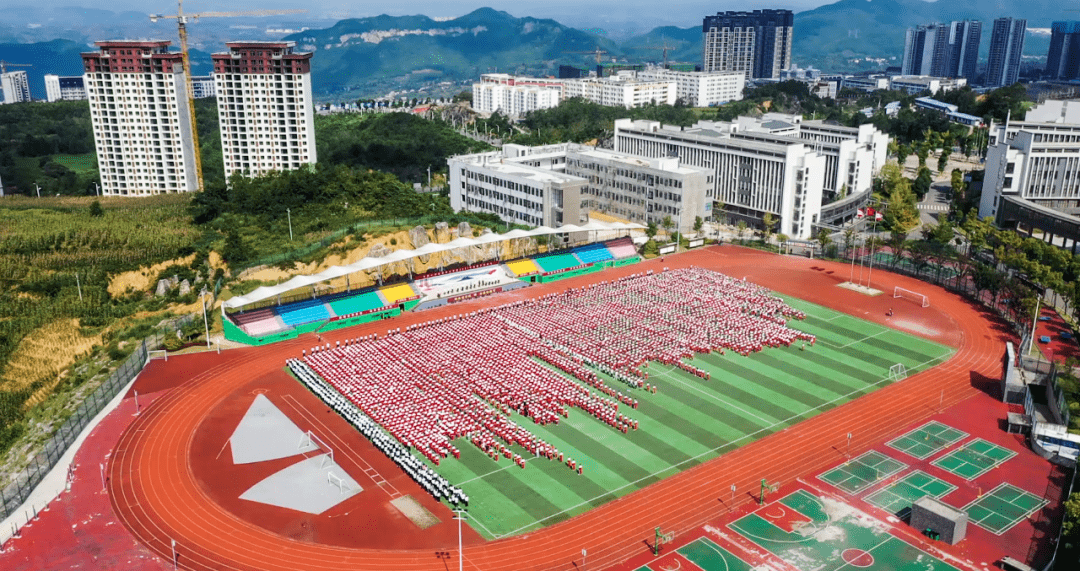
(464, 376)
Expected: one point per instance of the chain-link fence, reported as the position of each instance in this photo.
(14, 494)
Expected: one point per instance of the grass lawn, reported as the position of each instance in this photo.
(687, 422)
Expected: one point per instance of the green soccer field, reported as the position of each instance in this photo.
(687, 422)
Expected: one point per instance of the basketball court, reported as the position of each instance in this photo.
(833, 536)
(927, 440)
(862, 472)
(898, 497)
(974, 459)
(1002, 508)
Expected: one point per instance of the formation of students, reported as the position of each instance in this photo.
(428, 479)
(464, 376)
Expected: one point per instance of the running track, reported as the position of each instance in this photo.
(156, 496)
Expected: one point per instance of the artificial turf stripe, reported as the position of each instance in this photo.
(822, 356)
(586, 488)
(739, 415)
(697, 428)
(763, 384)
(746, 399)
(826, 384)
(605, 476)
(528, 498)
(778, 381)
(870, 350)
(692, 430)
(630, 459)
(878, 343)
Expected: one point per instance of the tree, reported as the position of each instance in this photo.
(96, 210)
(718, 211)
(823, 240)
(235, 250)
(903, 151)
(843, 192)
(923, 181)
(741, 226)
(781, 238)
(897, 243)
(957, 183)
(650, 229)
(769, 221)
(698, 223)
(943, 160)
(667, 223)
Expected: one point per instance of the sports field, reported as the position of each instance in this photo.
(688, 421)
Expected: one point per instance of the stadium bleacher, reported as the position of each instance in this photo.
(523, 267)
(622, 248)
(397, 292)
(304, 312)
(358, 303)
(593, 253)
(259, 322)
(557, 262)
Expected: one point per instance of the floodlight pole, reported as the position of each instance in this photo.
(174, 557)
(78, 285)
(460, 555)
(849, 445)
(1034, 323)
(101, 467)
(288, 212)
(583, 560)
(206, 323)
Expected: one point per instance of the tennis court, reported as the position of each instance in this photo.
(1002, 508)
(898, 497)
(927, 440)
(831, 537)
(862, 472)
(687, 422)
(974, 459)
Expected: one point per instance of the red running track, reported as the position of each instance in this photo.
(157, 497)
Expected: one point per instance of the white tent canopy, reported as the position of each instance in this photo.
(267, 292)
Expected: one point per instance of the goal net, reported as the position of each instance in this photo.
(157, 354)
(339, 482)
(897, 372)
(909, 295)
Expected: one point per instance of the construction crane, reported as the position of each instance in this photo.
(181, 23)
(666, 48)
(4, 65)
(597, 52)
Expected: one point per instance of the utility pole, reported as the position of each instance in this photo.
(78, 285)
(288, 211)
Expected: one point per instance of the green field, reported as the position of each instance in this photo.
(79, 163)
(687, 422)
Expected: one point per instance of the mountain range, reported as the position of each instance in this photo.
(374, 56)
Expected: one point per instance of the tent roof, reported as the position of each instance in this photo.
(267, 292)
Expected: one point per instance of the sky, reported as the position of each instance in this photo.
(648, 13)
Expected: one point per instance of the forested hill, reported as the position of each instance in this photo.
(372, 56)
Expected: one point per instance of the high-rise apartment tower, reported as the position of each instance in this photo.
(1063, 59)
(139, 113)
(757, 43)
(265, 108)
(1006, 46)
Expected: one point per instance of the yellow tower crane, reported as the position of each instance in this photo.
(4, 65)
(597, 52)
(181, 23)
(665, 48)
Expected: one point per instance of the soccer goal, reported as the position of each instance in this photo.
(335, 480)
(309, 441)
(907, 294)
(897, 372)
(157, 354)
